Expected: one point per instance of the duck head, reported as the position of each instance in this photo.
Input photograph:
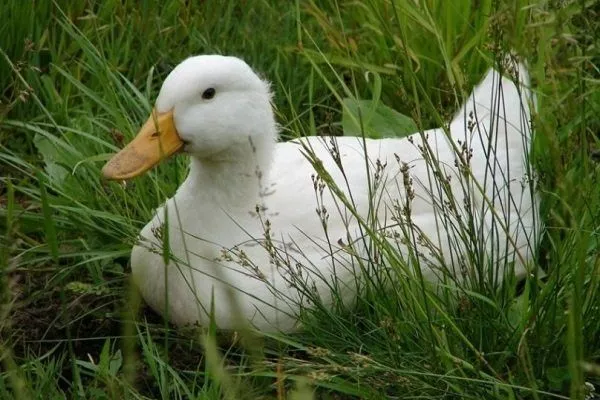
(207, 106)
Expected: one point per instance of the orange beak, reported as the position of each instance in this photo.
(157, 140)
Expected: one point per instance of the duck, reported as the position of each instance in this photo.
(261, 230)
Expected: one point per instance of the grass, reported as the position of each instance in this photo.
(78, 78)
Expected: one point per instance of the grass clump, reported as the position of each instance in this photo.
(77, 79)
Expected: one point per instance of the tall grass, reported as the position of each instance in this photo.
(79, 77)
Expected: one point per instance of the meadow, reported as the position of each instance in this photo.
(78, 78)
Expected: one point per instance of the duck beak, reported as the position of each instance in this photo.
(156, 141)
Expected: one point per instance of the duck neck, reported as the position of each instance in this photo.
(234, 178)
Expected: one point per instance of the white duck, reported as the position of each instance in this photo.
(244, 234)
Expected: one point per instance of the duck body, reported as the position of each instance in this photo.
(255, 235)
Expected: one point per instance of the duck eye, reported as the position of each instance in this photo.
(208, 94)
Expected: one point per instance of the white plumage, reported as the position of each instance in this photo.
(244, 225)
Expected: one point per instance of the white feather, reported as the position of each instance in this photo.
(237, 169)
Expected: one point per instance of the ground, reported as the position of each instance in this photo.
(77, 79)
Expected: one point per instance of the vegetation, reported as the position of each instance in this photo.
(79, 77)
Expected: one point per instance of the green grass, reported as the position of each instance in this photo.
(77, 80)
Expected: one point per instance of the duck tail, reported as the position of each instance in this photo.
(497, 99)
(495, 124)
